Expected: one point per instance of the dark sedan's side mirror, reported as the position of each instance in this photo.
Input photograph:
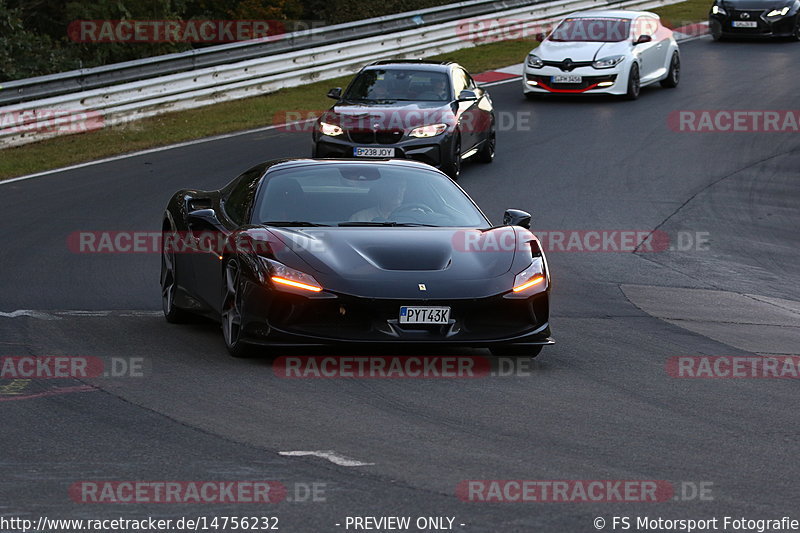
(467, 96)
(335, 93)
(517, 217)
(643, 39)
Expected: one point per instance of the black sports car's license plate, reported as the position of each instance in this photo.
(424, 315)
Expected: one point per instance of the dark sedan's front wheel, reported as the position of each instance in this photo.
(452, 165)
(232, 310)
(515, 350)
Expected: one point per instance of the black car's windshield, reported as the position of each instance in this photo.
(585, 29)
(363, 194)
(377, 85)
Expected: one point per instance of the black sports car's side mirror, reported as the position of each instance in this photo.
(517, 217)
(467, 96)
(203, 216)
(643, 39)
(335, 93)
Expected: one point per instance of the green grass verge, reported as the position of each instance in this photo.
(248, 113)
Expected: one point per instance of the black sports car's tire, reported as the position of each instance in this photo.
(486, 153)
(515, 350)
(674, 74)
(796, 33)
(232, 310)
(634, 86)
(169, 285)
(452, 167)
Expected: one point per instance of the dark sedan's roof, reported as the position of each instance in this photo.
(415, 64)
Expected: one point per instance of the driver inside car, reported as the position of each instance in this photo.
(388, 195)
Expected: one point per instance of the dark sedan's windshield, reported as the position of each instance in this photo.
(584, 29)
(363, 194)
(396, 84)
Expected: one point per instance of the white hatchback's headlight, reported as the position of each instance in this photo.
(431, 130)
(535, 61)
(330, 129)
(608, 62)
(717, 10)
(778, 12)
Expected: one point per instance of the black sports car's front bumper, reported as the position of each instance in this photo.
(274, 318)
(723, 25)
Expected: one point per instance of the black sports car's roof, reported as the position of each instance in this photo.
(290, 163)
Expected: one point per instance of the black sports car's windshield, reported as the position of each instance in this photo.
(395, 84)
(584, 29)
(363, 194)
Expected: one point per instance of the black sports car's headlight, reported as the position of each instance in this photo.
(287, 278)
(531, 279)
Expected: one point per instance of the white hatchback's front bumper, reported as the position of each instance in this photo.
(594, 81)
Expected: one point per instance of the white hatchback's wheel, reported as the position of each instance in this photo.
(674, 74)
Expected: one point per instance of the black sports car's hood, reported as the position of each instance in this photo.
(392, 262)
(756, 4)
(400, 115)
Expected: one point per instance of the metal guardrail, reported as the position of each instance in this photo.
(130, 101)
(84, 79)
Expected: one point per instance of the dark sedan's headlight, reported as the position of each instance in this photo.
(431, 130)
(775, 13)
(330, 129)
(717, 9)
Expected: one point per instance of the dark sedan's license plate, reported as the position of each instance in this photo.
(424, 315)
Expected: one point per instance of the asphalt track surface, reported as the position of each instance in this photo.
(598, 405)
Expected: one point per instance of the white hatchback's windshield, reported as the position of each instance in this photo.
(584, 29)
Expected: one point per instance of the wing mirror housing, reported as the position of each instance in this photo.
(467, 96)
(643, 39)
(517, 217)
(335, 93)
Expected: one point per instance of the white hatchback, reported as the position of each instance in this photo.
(603, 51)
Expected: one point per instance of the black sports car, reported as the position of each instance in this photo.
(428, 111)
(317, 252)
(755, 18)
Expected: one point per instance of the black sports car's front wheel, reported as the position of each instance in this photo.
(515, 350)
(232, 311)
(169, 284)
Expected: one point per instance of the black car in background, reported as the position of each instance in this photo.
(755, 18)
(409, 109)
(317, 252)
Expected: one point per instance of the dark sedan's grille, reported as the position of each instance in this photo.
(748, 15)
(375, 137)
(585, 83)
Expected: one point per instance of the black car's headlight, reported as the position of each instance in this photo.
(330, 129)
(284, 277)
(535, 61)
(608, 62)
(431, 130)
(778, 12)
(531, 279)
(717, 9)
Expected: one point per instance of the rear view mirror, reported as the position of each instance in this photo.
(335, 93)
(517, 217)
